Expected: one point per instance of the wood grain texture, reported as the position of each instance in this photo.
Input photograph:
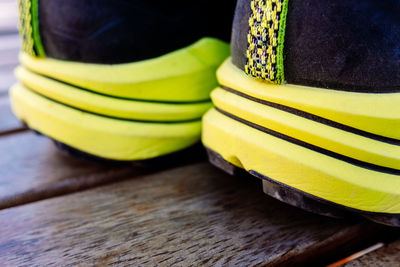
(9, 49)
(8, 17)
(32, 169)
(9, 58)
(7, 79)
(10, 41)
(384, 257)
(8, 122)
(192, 215)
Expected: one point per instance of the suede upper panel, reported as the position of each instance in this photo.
(118, 31)
(351, 45)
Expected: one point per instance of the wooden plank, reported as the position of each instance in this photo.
(9, 58)
(8, 122)
(9, 49)
(8, 16)
(192, 215)
(386, 256)
(32, 169)
(7, 79)
(9, 41)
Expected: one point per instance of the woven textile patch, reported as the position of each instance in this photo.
(265, 40)
(25, 27)
(29, 28)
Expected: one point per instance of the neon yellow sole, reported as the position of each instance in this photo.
(311, 172)
(309, 131)
(101, 136)
(377, 114)
(110, 106)
(185, 75)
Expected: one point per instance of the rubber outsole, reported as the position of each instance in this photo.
(101, 136)
(299, 199)
(110, 106)
(368, 192)
(185, 75)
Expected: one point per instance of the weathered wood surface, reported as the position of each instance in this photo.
(8, 16)
(9, 43)
(9, 49)
(8, 122)
(32, 169)
(192, 215)
(7, 79)
(384, 257)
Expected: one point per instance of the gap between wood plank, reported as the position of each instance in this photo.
(32, 169)
(389, 255)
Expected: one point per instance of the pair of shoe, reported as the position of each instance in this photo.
(308, 102)
(123, 80)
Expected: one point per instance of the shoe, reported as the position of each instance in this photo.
(120, 80)
(309, 102)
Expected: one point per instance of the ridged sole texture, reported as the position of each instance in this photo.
(121, 112)
(299, 141)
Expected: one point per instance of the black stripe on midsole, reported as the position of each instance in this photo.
(316, 118)
(118, 97)
(314, 148)
(111, 117)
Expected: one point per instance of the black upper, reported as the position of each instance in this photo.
(349, 45)
(118, 31)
